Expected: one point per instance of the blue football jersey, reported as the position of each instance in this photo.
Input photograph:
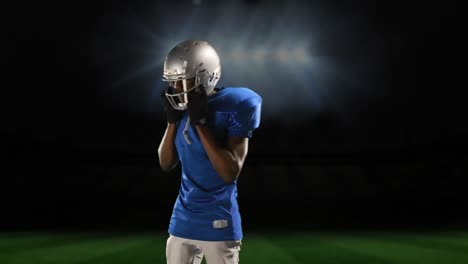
(206, 207)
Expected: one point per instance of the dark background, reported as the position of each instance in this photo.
(81, 123)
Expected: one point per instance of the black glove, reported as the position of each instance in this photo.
(198, 106)
(172, 115)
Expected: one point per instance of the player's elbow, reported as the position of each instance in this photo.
(167, 167)
(229, 179)
(230, 175)
(167, 164)
(167, 159)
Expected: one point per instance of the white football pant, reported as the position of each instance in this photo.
(189, 251)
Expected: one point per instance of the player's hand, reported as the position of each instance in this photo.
(198, 106)
(173, 116)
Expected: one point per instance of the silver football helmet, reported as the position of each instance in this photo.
(191, 59)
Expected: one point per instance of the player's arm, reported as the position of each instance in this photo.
(227, 161)
(167, 152)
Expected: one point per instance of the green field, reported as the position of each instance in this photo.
(291, 247)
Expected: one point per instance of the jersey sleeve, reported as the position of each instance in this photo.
(246, 119)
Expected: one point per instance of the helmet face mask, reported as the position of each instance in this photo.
(178, 95)
(195, 63)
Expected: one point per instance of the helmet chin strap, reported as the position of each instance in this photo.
(186, 135)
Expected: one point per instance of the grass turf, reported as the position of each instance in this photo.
(292, 247)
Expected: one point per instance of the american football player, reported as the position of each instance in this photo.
(208, 131)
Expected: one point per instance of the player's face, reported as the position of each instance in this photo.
(179, 86)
